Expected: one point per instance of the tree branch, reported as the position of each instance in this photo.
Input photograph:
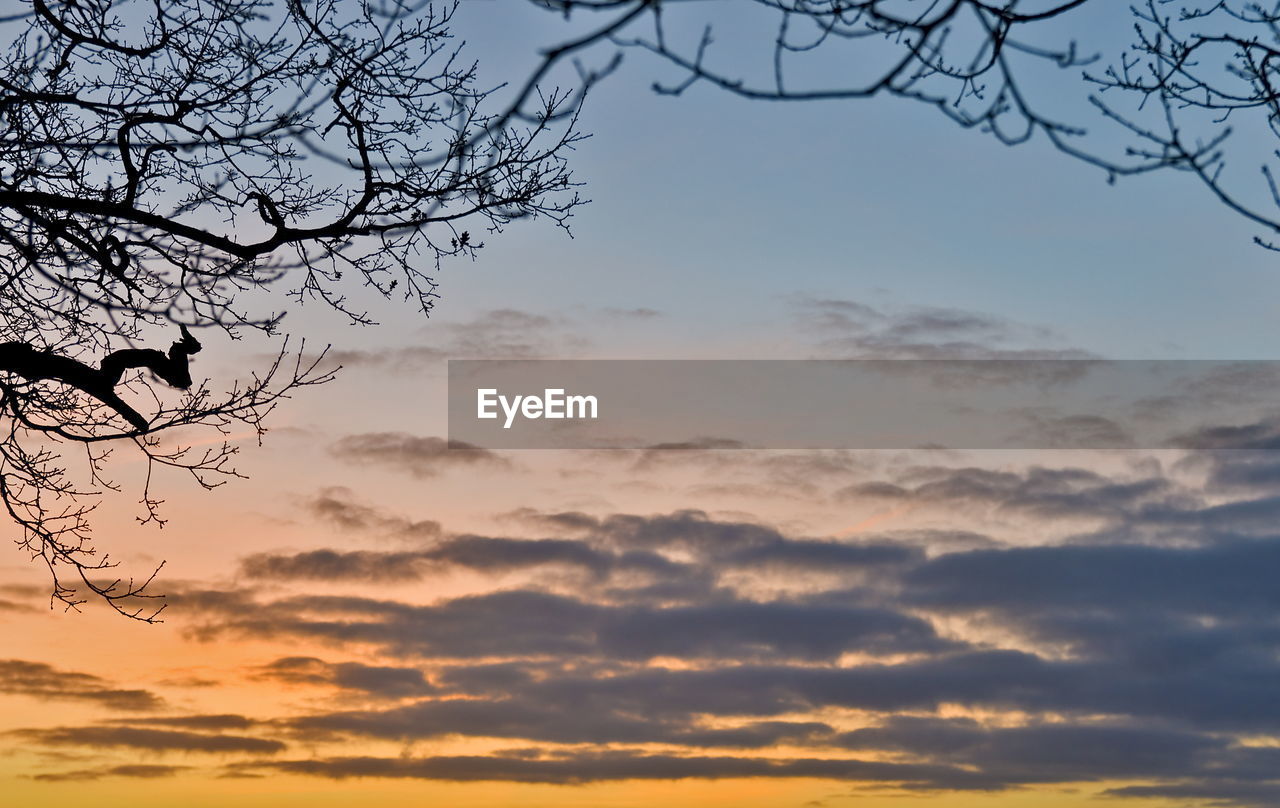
(33, 364)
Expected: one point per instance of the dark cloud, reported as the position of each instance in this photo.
(203, 723)
(1173, 640)
(467, 552)
(337, 506)
(1200, 391)
(634, 554)
(1054, 493)
(1057, 431)
(638, 313)
(402, 358)
(494, 677)
(553, 719)
(564, 521)
(748, 472)
(534, 623)
(419, 456)
(1202, 700)
(1243, 470)
(687, 530)
(693, 444)
(758, 735)
(725, 546)
(1140, 656)
(1214, 791)
(371, 680)
(978, 678)
(501, 718)
(335, 565)
(140, 771)
(589, 767)
(1051, 752)
(496, 334)
(152, 740)
(41, 681)
(500, 554)
(814, 555)
(1233, 579)
(1262, 435)
(851, 329)
(501, 334)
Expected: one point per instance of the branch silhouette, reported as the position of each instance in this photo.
(1194, 86)
(154, 175)
(206, 165)
(21, 359)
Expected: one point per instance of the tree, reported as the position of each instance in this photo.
(197, 166)
(203, 165)
(1196, 84)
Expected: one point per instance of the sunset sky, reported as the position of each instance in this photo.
(370, 617)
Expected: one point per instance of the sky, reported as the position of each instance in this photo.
(370, 616)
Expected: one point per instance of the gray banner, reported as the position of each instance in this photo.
(863, 404)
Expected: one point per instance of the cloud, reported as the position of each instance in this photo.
(1111, 640)
(526, 622)
(337, 506)
(41, 681)
(1261, 435)
(370, 680)
(1233, 579)
(631, 554)
(478, 553)
(1120, 635)
(151, 740)
(496, 334)
(565, 521)
(207, 723)
(637, 313)
(700, 444)
(749, 474)
(1053, 493)
(851, 329)
(1046, 751)
(421, 457)
(335, 565)
(587, 767)
(1215, 792)
(140, 771)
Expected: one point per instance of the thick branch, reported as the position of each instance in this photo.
(34, 364)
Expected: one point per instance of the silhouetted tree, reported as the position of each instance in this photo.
(192, 166)
(198, 164)
(1164, 84)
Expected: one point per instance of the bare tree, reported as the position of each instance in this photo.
(195, 167)
(1199, 91)
(1187, 85)
(199, 166)
(963, 57)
